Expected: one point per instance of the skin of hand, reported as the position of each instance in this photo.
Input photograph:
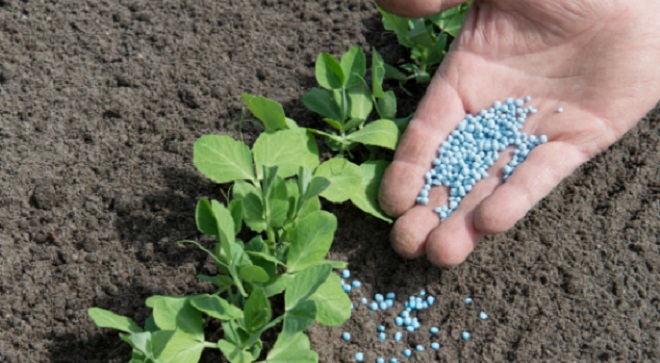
(597, 59)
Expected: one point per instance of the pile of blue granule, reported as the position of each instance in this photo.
(474, 146)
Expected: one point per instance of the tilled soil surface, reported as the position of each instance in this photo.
(100, 103)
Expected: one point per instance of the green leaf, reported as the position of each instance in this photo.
(137, 357)
(311, 156)
(304, 284)
(316, 186)
(377, 74)
(205, 218)
(353, 123)
(451, 20)
(437, 51)
(311, 206)
(256, 244)
(234, 333)
(290, 124)
(285, 149)
(383, 133)
(299, 318)
(225, 224)
(140, 342)
(175, 313)
(278, 201)
(334, 124)
(222, 159)
(254, 274)
(292, 349)
(217, 307)
(252, 205)
(304, 178)
(107, 319)
(345, 178)
(278, 284)
(402, 123)
(309, 187)
(255, 349)
(265, 256)
(270, 112)
(386, 106)
(397, 24)
(367, 198)
(333, 307)
(234, 353)
(176, 347)
(236, 209)
(419, 34)
(322, 102)
(311, 240)
(360, 103)
(392, 72)
(328, 72)
(150, 324)
(257, 311)
(354, 66)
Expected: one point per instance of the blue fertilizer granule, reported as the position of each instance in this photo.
(474, 146)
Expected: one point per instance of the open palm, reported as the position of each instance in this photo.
(596, 59)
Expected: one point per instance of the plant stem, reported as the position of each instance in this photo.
(211, 345)
(270, 234)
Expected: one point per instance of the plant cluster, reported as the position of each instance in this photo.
(427, 39)
(361, 122)
(275, 194)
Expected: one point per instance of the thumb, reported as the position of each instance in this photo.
(417, 8)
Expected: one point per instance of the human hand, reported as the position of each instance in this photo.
(596, 59)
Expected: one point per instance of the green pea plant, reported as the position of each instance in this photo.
(346, 101)
(428, 40)
(275, 195)
(280, 278)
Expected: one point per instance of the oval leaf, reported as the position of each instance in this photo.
(222, 159)
(311, 240)
(322, 102)
(386, 106)
(270, 112)
(333, 307)
(367, 198)
(328, 72)
(377, 73)
(257, 311)
(205, 218)
(383, 133)
(252, 273)
(285, 149)
(107, 319)
(304, 284)
(252, 205)
(217, 307)
(345, 179)
(174, 313)
(354, 66)
(292, 349)
(360, 103)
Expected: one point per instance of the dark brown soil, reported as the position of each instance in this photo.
(100, 103)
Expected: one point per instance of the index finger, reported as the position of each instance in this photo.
(438, 114)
